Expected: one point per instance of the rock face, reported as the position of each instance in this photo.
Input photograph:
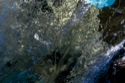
(56, 40)
(112, 23)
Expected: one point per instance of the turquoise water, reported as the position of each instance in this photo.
(101, 3)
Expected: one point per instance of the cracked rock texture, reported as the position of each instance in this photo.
(54, 40)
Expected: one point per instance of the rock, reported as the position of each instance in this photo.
(110, 23)
(62, 31)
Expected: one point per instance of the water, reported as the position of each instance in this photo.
(101, 3)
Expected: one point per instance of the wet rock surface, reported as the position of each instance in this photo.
(52, 41)
(46, 38)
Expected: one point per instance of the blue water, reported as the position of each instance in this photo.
(102, 3)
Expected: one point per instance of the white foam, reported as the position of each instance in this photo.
(114, 49)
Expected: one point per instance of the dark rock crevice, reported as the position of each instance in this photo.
(111, 25)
